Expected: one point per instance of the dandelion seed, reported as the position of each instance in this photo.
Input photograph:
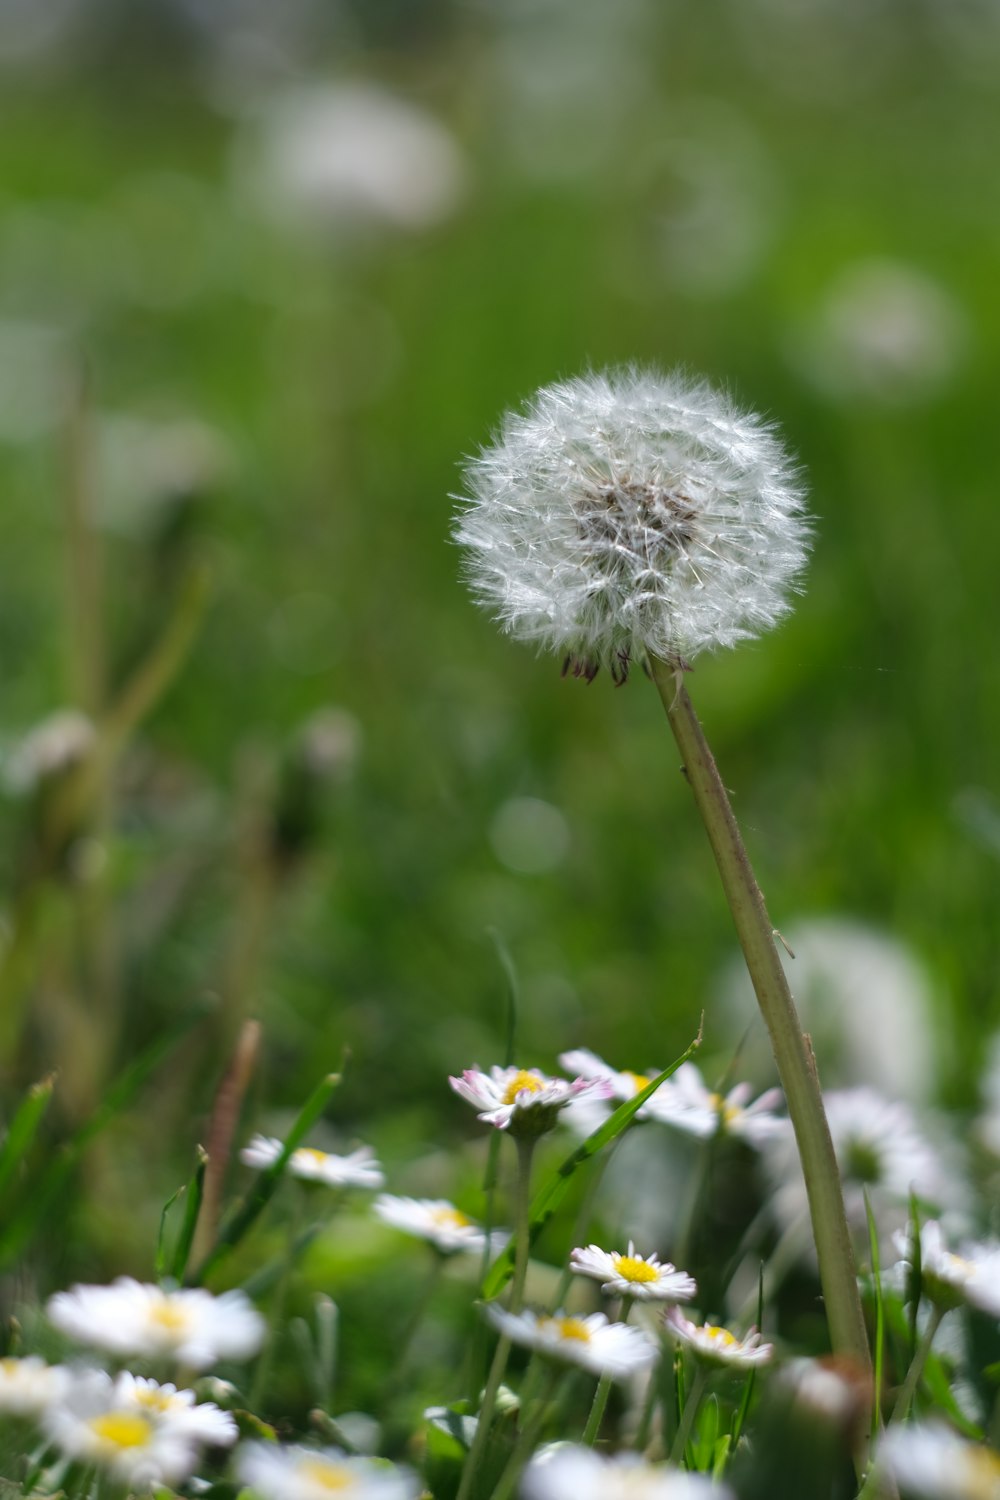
(642, 1277)
(565, 1471)
(522, 1100)
(435, 1220)
(298, 1473)
(630, 515)
(358, 1169)
(129, 1318)
(717, 1346)
(603, 1348)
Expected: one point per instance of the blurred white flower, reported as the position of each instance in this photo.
(947, 1279)
(930, 1460)
(358, 1169)
(688, 1103)
(643, 1277)
(522, 1100)
(865, 1000)
(529, 836)
(988, 1124)
(589, 1113)
(632, 514)
(436, 1220)
(56, 745)
(565, 1471)
(352, 156)
(879, 1149)
(603, 1348)
(884, 331)
(188, 1324)
(297, 1473)
(149, 464)
(717, 1346)
(140, 1448)
(28, 1387)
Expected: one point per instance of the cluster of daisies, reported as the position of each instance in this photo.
(142, 1421)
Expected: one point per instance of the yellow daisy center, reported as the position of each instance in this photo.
(328, 1476)
(980, 1471)
(450, 1218)
(640, 1080)
(632, 1268)
(311, 1154)
(957, 1266)
(167, 1315)
(720, 1336)
(727, 1112)
(121, 1429)
(10, 1366)
(154, 1400)
(568, 1328)
(520, 1082)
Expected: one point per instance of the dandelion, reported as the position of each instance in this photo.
(129, 1318)
(566, 1471)
(358, 1169)
(29, 1386)
(930, 1460)
(603, 1348)
(633, 515)
(297, 1473)
(138, 1446)
(717, 1346)
(522, 1100)
(435, 1220)
(642, 1277)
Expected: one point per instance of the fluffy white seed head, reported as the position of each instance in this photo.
(633, 514)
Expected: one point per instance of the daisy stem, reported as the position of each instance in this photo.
(525, 1150)
(527, 1440)
(908, 1389)
(792, 1050)
(686, 1423)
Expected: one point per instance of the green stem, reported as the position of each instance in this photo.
(525, 1149)
(792, 1049)
(686, 1423)
(526, 1442)
(908, 1389)
(597, 1411)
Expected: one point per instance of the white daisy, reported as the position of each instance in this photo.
(201, 1422)
(603, 1348)
(565, 1471)
(633, 514)
(690, 1105)
(436, 1220)
(522, 1100)
(28, 1387)
(643, 1277)
(298, 1473)
(358, 1169)
(588, 1113)
(129, 1318)
(933, 1461)
(138, 1447)
(948, 1279)
(717, 1346)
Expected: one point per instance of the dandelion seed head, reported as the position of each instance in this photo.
(631, 514)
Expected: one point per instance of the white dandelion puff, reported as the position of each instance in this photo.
(633, 514)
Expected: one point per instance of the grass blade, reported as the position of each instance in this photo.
(24, 1127)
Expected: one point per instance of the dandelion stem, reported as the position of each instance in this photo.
(908, 1389)
(525, 1149)
(792, 1050)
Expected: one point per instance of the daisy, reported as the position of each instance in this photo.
(690, 1105)
(948, 1280)
(137, 1446)
(717, 1346)
(201, 1422)
(358, 1169)
(930, 1460)
(587, 1114)
(129, 1318)
(565, 1471)
(522, 1100)
(435, 1220)
(601, 1347)
(644, 1278)
(28, 1387)
(297, 1473)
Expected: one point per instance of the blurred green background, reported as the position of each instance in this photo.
(298, 258)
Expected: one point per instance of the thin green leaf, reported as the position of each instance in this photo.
(160, 1259)
(246, 1213)
(915, 1277)
(553, 1191)
(192, 1208)
(24, 1127)
(744, 1406)
(879, 1351)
